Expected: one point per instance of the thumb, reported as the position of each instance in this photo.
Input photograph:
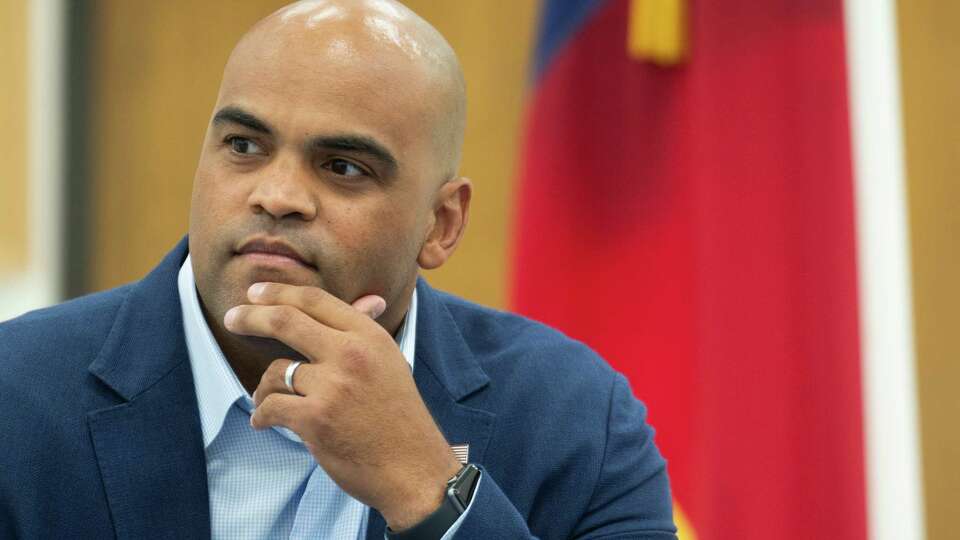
(371, 305)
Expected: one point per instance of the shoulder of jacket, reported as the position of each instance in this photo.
(508, 345)
(60, 338)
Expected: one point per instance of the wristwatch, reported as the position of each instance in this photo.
(457, 498)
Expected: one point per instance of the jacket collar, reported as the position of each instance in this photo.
(442, 349)
(146, 341)
(149, 447)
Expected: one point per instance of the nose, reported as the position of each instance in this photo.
(283, 190)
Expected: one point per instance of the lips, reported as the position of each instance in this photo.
(268, 248)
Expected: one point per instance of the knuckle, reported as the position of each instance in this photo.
(273, 409)
(273, 404)
(265, 377)
(303, 378)
(280, 318)
(354, 351)
(358, 367)
(274, 370)
(319, 412)
(312, 295)
(342, 388)
(356, 359)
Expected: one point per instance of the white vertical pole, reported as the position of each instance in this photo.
(894, 491)
(47, 119)
(39, 285)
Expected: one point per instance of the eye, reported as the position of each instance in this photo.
(243, 146)
(343, 167)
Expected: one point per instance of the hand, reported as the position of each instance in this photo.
(358, 410)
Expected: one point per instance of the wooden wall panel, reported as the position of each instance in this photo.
(14, 238)
(155, 71)
(156, 67)
(930, 47)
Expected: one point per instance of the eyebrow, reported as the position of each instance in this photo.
(236, 115)
(361, 144)
(357, 144)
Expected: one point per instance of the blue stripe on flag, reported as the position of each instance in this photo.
(559, 21)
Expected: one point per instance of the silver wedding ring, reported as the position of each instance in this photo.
(288, 376)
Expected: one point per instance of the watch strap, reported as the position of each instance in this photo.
(457, 498)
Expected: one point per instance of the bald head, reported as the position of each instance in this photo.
(337, 131)
(394, 48)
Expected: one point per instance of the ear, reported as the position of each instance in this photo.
(449, 221)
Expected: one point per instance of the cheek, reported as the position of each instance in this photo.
(357, 237)
(211, 190)
(372, 247)
(202, 228)
(214, 200)
(213, 211)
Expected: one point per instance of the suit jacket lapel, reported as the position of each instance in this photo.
(149, 446)
(447, 374)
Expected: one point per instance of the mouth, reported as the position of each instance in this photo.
(272, 252)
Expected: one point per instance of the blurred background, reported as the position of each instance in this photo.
(747, 206)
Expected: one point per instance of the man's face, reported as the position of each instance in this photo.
(326, 147)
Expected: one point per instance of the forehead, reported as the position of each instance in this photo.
(309, 82)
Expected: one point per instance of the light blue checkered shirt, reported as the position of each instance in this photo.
(265, 484)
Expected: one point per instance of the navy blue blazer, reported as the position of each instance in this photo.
(101, 431)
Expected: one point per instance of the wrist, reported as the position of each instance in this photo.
(418, 497)
(440, 523)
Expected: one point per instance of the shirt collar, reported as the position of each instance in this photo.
(217, 386)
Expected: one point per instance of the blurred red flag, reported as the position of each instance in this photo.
(694, 224)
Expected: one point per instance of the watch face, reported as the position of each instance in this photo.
(463, 484)
(458, 500)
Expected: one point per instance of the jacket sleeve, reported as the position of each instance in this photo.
(630, 499)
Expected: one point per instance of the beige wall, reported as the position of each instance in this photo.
(930, 56)
(156, 68)
(13, 136)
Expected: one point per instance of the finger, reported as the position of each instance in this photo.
(284, 323)
(278, 410)
(371, 305)
(274, 380)
(314, 301)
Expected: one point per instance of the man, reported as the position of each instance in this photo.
(258, 383)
